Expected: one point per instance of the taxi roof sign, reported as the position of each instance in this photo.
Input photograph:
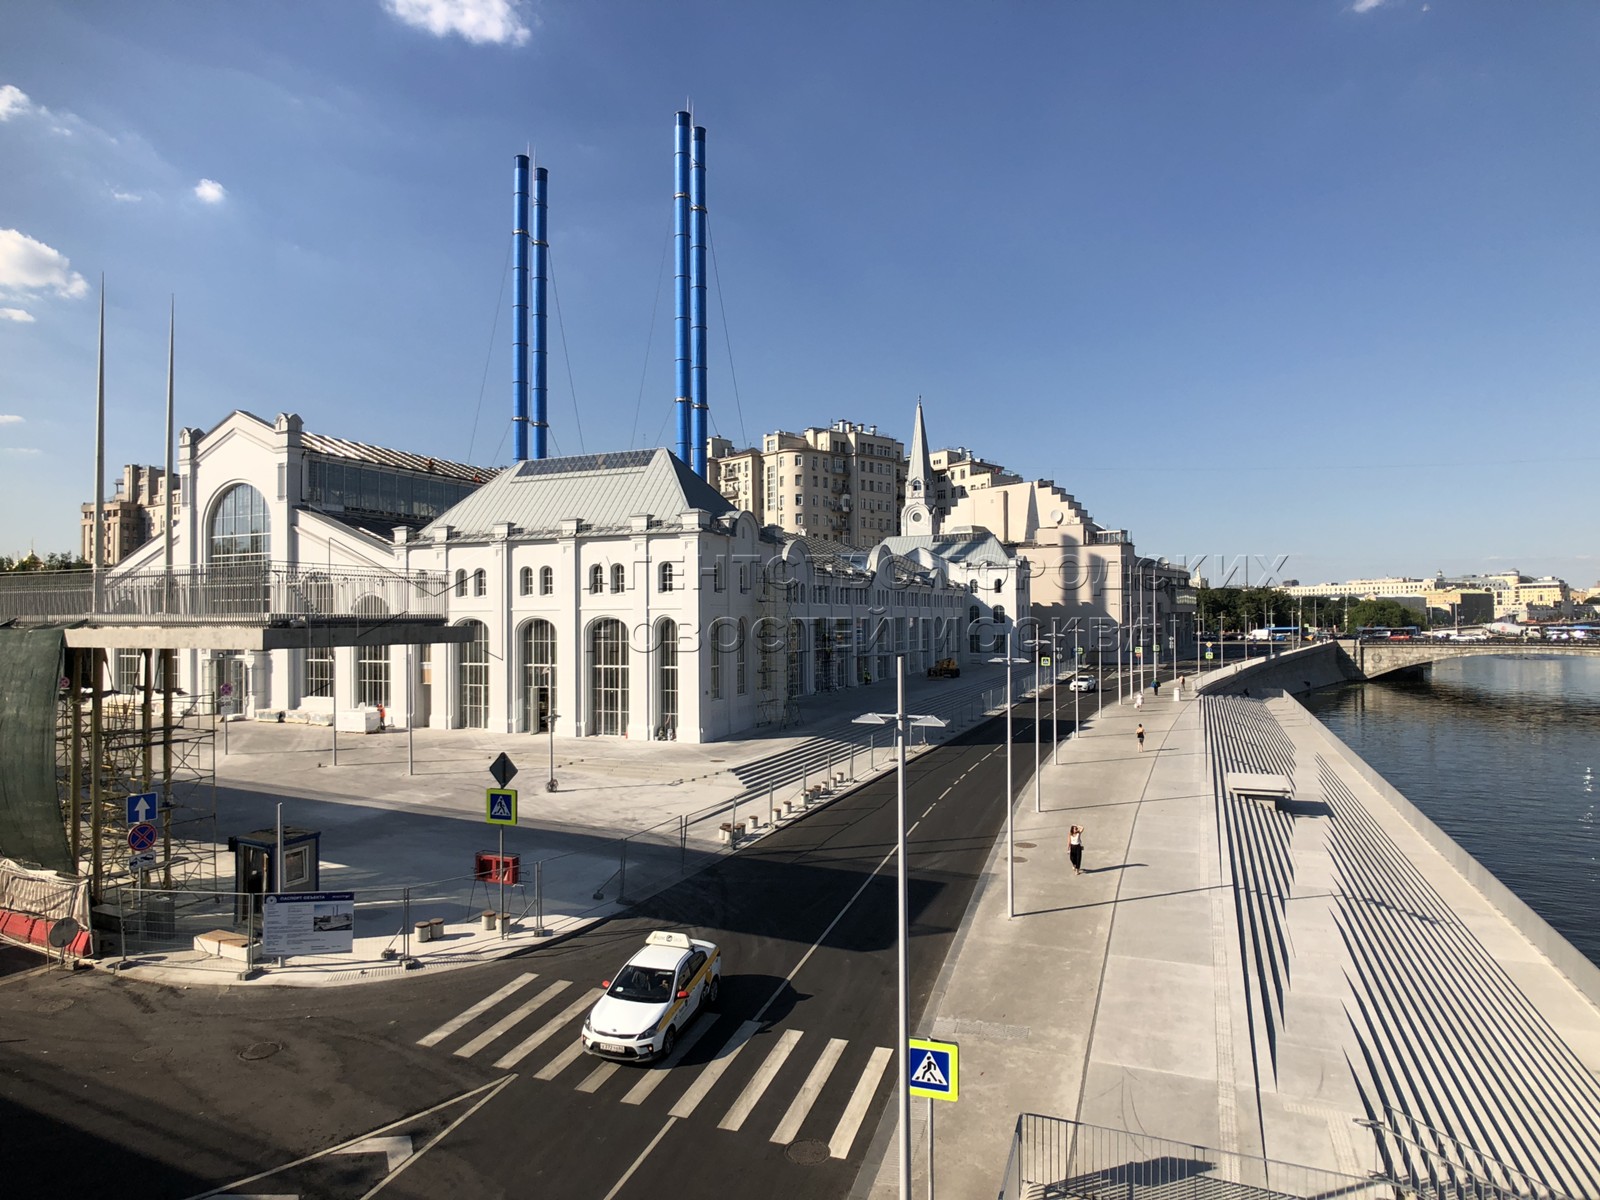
(935, 1069)
(668, 937)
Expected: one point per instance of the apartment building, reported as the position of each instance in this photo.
(132, 514)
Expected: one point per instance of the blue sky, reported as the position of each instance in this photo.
(1311, 278)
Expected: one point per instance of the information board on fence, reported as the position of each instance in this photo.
(308, 923)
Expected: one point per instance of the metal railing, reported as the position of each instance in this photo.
(1053, 1158)
(231, 593)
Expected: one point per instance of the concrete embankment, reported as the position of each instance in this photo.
(1294, 671)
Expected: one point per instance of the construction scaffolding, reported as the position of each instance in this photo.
(123, 732)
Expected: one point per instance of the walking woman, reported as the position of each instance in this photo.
(1075, 848)
(1139, 733)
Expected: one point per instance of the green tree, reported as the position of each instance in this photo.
(1366, 613)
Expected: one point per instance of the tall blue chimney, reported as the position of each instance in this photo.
(680, 235)
(519, 311)
(697, 302)
(541, 273)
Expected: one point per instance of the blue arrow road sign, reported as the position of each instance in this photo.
(142, 807)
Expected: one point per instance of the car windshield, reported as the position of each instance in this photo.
(652, 985)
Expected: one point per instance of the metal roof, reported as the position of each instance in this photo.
(978, 547)
(333, 447)
(603, 491)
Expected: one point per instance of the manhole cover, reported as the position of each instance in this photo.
(1018, 858)
(1024, 845)
(55, 1006)
(257, 1050)
(151, 1053)
(808, 1152)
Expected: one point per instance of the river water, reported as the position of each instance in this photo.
(1503, 754)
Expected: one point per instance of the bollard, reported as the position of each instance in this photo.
(488, 918)
(424, 931)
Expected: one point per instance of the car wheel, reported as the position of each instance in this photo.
(712, 990)
(669, 1041)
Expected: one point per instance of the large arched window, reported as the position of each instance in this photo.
(666, 678)
(240, 526)
(608, 677)
(372, 662)
(536, 658)
(238, 549)
(472, 681)
(741, 665)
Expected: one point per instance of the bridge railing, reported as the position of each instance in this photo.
(222, 593)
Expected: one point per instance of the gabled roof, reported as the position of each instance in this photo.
(603, 491)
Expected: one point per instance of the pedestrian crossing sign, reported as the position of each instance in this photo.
(935, 1069)
(501, 804)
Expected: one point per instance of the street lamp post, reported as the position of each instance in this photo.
(902, 721)
(1011, 795)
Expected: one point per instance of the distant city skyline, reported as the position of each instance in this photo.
(1310, 280)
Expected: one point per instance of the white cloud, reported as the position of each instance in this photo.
(14, 314)
(13, 102)
(481, 22)
(126, 197)
(210, 191)
(28, 267)
(10, 419)
(1363, 6)
(19, 450)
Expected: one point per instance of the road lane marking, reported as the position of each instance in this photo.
(913, 828)
(561, 1061)
(598, 1077)
(844, 1134)
(493, 1088)
(641, 1090)
(714, 1069)
(806, 957)
(478, 1009)
(644, 1154)
(506, 1022)
(546, 1031)
(760, 1082)
(789, 1128)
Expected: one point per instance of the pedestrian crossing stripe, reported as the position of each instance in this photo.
(935, 1069)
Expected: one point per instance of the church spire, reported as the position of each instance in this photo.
(919, 515)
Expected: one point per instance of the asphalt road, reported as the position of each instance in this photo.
(464, 1082)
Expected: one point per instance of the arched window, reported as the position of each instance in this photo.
(999, 585)
(461, 583)
(608, 677)
(619, 577)
(597, 579)
(472, 683)
(974, 624)
(238, 549)
(547, 581)
(666, 678)
(240, 527)
(741, 664)
(480, 583)
(536, 656)
(667, 573)
(1002, 640)
(372, 676)
(525, 581)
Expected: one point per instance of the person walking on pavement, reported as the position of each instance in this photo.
(1155, 684)
(1139, 733)
(1138, 700)
(1075, 848)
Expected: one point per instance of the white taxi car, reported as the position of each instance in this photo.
(653, 998)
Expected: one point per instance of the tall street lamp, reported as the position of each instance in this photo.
(1011, 795)
(903, 721)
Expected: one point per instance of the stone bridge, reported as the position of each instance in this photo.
(1375, 658)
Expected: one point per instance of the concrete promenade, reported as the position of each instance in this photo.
(1254, 978)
